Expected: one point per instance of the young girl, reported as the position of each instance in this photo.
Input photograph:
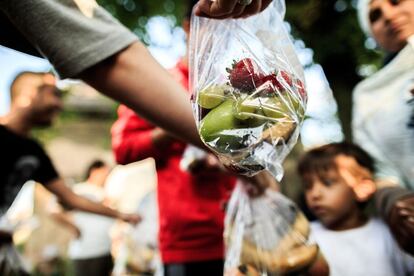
(338, 181)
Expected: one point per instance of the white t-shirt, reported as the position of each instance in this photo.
(369, 250)
(94, 240)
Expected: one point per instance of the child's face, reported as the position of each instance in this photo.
(331, 198)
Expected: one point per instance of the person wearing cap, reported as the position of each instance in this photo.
(383, 111)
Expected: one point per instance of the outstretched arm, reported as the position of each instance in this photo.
(69, 198)
(135, 78)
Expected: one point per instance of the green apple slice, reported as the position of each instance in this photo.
(212, 96)
(247, 108)
(219, 128)
(274, 108)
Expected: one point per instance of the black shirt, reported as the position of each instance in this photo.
(21, 159)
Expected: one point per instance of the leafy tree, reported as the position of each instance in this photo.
(331, 30)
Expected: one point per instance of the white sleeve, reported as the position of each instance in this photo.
(384, 168)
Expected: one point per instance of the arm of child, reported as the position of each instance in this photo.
(69, 198)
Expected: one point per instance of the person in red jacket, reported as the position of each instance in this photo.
(191, 213)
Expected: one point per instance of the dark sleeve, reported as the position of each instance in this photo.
(386, 198)
(45, 172)
(10, 37)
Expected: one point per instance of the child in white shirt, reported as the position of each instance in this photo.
(338, 182)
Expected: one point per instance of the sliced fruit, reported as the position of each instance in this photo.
(245, 74)
(279, 132)
(218, 128)
(274, 108)
(296, 104)
(246, 108)
(212, 96)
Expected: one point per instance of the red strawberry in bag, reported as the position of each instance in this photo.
(245, 75)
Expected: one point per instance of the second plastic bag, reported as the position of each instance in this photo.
(249, 96)
(266, 235)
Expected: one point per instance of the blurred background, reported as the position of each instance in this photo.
(331, 47)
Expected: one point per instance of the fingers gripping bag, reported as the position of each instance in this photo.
(267, 235)
(248, 87)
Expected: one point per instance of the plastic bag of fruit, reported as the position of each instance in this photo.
(249, 96)
(268, 235)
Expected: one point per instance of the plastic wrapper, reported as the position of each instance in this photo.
(136, 248)
(267, 235)
(11, 263)
(249, 95)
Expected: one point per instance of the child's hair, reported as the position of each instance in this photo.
(95, 164)
(320, 161)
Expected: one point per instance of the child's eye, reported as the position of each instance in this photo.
(329, 182)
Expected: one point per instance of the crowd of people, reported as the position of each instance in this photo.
(82, 41)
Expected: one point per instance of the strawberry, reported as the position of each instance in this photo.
(270, 84)
(301, 89)
(245, 75)
(286, 76)
(278, 81)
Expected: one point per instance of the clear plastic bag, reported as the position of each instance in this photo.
(249, 96)
(11, 263)
(266, 235)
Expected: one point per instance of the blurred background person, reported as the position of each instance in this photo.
(90, 250)
(383, 104)
(338, 182)
(383, 112)
(35, 102)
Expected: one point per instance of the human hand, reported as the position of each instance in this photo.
(357, 177)
(207, 165)
(401, 222)
(133, 219)
(220, 9)
(257, 184)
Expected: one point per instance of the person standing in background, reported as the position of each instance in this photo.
(383, 112)
(90, 251)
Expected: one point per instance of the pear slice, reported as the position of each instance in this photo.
(211, 96)
(274, 108)
(246, 108)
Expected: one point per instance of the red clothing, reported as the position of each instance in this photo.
(190, 207)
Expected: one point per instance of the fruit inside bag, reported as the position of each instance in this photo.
(268, 235)
(249, 95)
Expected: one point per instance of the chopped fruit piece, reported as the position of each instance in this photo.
(245, 75)
(274, 108)
(212, 96)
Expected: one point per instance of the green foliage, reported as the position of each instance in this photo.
(135, 13)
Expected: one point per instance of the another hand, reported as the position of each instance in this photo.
(130, 218)
(401, 222)
(257, 184)
(221, 9)
(210, 164)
